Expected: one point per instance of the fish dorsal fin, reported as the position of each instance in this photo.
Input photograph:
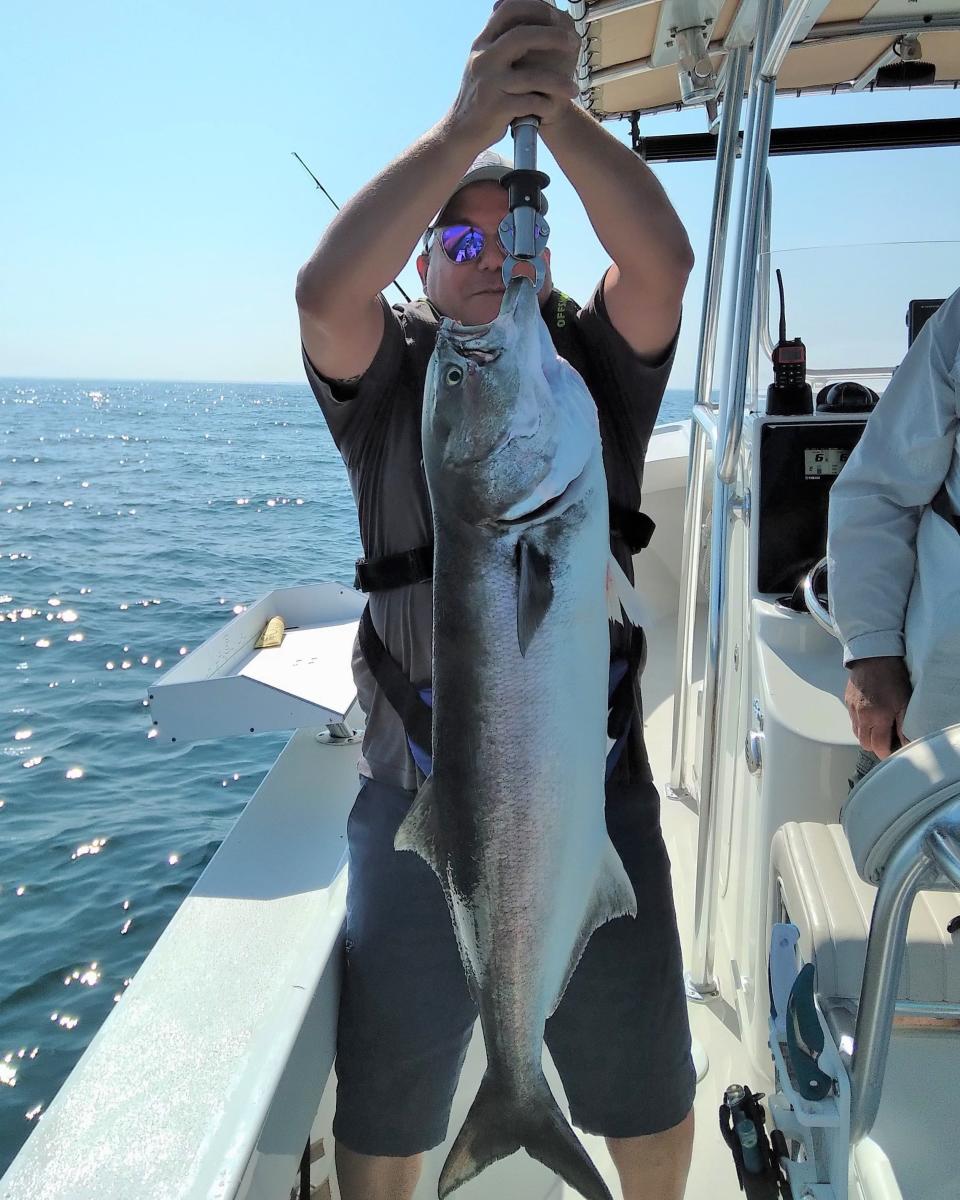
(623, 599)
(420, 830)
(534, 590)
(613, 896)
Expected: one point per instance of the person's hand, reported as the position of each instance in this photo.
(523, 63)
(877, 695)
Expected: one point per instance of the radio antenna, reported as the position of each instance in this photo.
(783, 308)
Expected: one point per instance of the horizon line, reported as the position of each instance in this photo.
(230, 382)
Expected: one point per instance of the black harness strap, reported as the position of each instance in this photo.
(634, 529)
(403, 696)
(394, 570)
(621, 711)
(943, 508)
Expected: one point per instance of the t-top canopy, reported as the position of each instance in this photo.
(643, 56)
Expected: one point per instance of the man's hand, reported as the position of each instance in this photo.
(877, 696)
(523, 63)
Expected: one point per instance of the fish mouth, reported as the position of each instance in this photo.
(482, 355)
(469, 342)
(484, 344)
(548, 508)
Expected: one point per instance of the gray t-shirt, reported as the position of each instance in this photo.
(375, 424)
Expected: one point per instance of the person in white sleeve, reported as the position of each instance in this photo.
(893, 550)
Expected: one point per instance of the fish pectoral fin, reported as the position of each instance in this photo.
(613, 896)
(499, 1124)
(420, 830)
(534, 590)
(623, 599)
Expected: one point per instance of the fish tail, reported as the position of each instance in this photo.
(499, 1123)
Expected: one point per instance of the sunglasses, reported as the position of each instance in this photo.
(464, 243)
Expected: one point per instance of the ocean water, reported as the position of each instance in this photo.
(135, 519)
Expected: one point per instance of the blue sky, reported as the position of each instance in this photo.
(154, 219)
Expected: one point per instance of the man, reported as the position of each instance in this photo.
(620, 1037)
(907, 462)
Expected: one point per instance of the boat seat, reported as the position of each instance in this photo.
(831, 905)
(883, 808)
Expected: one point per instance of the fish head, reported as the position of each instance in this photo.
(508, 426)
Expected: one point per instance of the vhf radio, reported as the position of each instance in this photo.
(789, 395)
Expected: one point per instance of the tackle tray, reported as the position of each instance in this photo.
(227, 687)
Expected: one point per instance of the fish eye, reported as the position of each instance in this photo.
(454, 376)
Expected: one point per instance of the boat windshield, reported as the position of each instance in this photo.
(850, 304)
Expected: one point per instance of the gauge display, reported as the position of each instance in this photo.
(823, 460)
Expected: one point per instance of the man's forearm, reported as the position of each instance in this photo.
(629, 210)
(370, 240)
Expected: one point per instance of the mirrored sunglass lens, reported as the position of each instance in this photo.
(461, 243)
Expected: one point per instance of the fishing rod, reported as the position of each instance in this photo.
(337, 207)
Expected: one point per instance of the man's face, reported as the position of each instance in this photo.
(470, 292)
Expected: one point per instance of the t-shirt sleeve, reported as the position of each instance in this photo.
(351, 406)
(640, 380)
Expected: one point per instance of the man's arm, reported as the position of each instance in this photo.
(636, 225)
(367, 244)
(521, 63)
(875, 507)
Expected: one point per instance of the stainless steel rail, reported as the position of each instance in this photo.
(945, 852)
(786, 31)
(826, 89)
(818, 611)
(720, 220)
(761, 118)
(701, 974)
(689, 575)
(763, 297)
(929, 856)
(609, 8)
(693, 507)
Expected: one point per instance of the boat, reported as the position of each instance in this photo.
(213, 1077)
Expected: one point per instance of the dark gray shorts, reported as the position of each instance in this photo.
(620, 1038)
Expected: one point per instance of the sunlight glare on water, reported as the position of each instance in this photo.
(122, 549)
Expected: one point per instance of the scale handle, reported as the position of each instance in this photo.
(525, 184)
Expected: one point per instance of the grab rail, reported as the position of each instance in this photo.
(929, 853)
(784, 34)
(701, 975)
(761, 120)
(720, 224)
(736, 70)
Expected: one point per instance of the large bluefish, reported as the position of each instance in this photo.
(512, 817)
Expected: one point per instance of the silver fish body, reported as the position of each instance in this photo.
(512, 816)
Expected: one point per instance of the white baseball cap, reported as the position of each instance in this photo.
(488, 166)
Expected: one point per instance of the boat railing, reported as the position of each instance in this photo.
(703, 430)
(703, 436)
(727, 143)
(726, 459)
(903, 825)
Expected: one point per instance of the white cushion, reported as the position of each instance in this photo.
(831, 906)
(904, 789)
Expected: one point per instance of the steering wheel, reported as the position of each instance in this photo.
(819, 612)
